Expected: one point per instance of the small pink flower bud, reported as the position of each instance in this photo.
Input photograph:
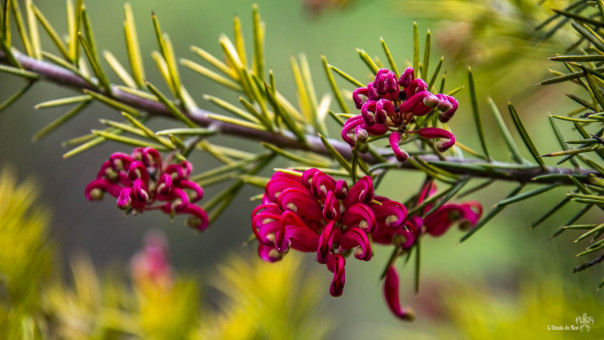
(407, 77)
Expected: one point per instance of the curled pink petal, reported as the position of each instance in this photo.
(361, 216)
(295, 234)
(407, 77)
(400, 154)
(164, 186)
(95, 189)
(372, 93)
(140, 190)
(385, 82)
(368, 112)
(415, 103)
(301, 203)
(196, 188)
(124, 200)
(331, 207)
(269, 254)
(278, 184)
(446, 114)
(341, 189)
(389, 213)
(356, 237)
(361, 191)
(432, 132)
(150, 157)
(138, 170)
(383, 109)
(326, 241)
(391, 287)
(321, 184)
(337, 265)
(120, 161)
(199, 219)
(358, 101)
(441, 220)
(416, 86)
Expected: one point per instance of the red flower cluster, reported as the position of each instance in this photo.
(140, 180)
(388, 108)
(313, 212)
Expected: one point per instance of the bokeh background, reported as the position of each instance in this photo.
(506, 278)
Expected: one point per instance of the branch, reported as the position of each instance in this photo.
(285, 139)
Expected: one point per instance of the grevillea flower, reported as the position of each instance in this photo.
(141, 181)
(436, 224)
(313, 212)
(386, 107)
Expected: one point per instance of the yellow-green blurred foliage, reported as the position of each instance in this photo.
(497, 38)
(25, 256)
(261, 300)
(267, 301)
(480, 311)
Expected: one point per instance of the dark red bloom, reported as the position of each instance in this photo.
(312, 212)
(140, 180)
(386, 107)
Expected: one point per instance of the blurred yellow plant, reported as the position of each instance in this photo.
(536, 309)
(26, 257)
(267, 301)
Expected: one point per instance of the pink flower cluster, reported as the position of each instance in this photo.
(313, 212)
(141, 180)
(386, 107)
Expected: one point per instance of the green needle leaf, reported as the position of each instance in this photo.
(477, 118)
(119, 69)
(389, 56)
(435, 75)
(296, 158)
(21, 27)
(63, 101)
(170, 106)
(367, 59)
(33, 30)
(59, 121)
(415, 47)
(526, 195)
(334, 86)
(113, 103)
(239, 41)
(148, 132)
(19, 72)
(15, 96)
(347, 77)
(211, 75)
(426, 56)
(134, 53)
(258, 43)
(525, 136)
(94, 63)
(128, 140)
(336, 155)
(504, 131)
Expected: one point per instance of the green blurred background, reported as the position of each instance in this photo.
(494, 280)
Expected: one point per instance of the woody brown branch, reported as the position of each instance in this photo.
(286, 139)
